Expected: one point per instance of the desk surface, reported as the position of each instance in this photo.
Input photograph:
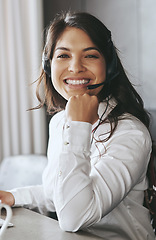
(30, 225)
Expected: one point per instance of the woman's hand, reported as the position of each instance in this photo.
(82, 108)
(7, 198)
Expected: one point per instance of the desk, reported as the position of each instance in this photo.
(29, 225)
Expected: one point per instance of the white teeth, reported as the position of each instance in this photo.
(77, 82)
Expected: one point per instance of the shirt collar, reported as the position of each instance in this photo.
(101, 109)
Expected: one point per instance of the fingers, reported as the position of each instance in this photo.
(7, 198)
(82, 108)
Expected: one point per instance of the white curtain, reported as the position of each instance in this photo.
(21, 26)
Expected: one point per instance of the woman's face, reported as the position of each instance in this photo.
(76, 63)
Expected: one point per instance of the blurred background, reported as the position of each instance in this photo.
(22, 27)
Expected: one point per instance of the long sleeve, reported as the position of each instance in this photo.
(90, 181)
(32, 197)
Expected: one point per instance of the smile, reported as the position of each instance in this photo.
(77, 82)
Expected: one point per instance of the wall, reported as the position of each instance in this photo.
(148, 51)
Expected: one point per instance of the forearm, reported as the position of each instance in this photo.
(73, 193)
(32, 197)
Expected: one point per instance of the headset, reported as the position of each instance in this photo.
(111, 67)
(46, 64)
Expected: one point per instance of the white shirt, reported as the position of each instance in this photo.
(95, 186)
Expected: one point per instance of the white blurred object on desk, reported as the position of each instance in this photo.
(6, 220)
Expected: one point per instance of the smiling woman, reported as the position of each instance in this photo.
(99, 146)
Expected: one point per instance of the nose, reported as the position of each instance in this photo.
(76, 66)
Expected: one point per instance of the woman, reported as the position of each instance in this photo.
(99, 145)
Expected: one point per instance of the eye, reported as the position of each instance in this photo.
(63, 56)
(91, 56)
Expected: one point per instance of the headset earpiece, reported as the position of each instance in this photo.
(46, 65)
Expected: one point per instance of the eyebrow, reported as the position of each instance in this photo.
(84, 50)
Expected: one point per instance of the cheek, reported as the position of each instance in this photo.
(100, 71)
(56, 73)
(57, 70)
(54, 69)
(54, 76)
